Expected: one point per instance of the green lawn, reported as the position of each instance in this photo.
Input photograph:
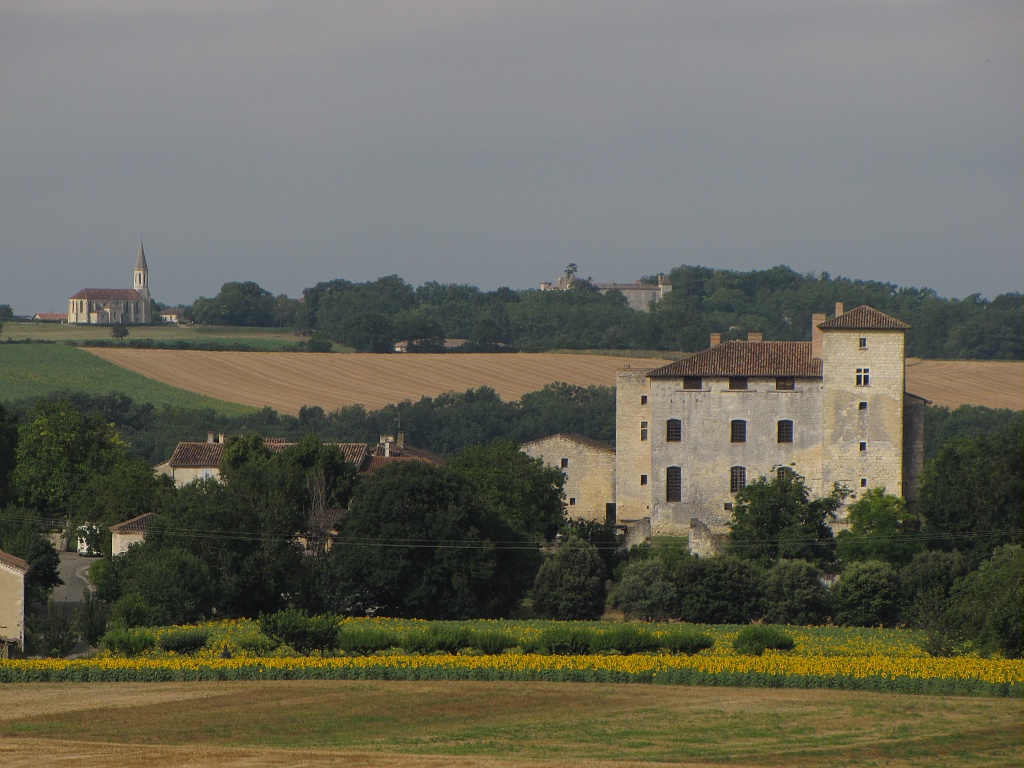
(36, 370)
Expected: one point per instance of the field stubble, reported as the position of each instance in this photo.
(495, 724)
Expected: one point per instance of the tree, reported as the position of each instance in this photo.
(570, 585)
(646, 591)
(118, 331)
(719, 590)
(416, 543)
(972, 493)
(8, 452)
(520, 489)
(794, 594)
(985, 608)
(19, 536)
(867, 595)
(881, 528)
(237, 304)
(778, 519)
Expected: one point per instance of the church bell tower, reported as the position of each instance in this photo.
(142, 284)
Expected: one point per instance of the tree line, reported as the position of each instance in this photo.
(779, 302)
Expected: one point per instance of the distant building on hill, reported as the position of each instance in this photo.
(640, 296)
(106, 306)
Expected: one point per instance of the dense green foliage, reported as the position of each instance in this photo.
(570, 585)
(794, 594)
(779, 302)
(301, 631)
(881, 528)
(758, 638)
(646, 591)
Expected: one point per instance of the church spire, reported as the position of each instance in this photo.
(140, 263)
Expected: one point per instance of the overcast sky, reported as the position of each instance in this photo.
(491, 143)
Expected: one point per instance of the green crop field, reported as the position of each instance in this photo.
(36, 370)
(259, 339)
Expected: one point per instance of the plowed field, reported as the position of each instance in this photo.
(287, 381)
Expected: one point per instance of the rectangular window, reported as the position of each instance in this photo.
(863, 482)
(673, 484)
(737, 382)
(863, 342)
(785, 431)
(738, 431)
(785, 473)
(863, 447)
(673, 431)
(862, 406)
(863, 377)
(572, 502)
(785, 383)
(693, 382)
(565, 463)
(737, 479)
(643, 430)
(643, 479)
(727, 506)
(643, 399)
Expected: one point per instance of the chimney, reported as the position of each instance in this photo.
(716, 339)
(209, 437)
(755, 336)
(400, 442)
(387, 448)
(220, 438)
(839, 308)
(816, 319)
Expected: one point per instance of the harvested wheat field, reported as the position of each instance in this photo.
(434, 724)
(287, 381)
(992, 383)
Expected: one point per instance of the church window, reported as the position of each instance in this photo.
(737, 479)
(863, 377)
(674, 484)
(737, 382)
(673, 431)
(738, 431)
(785, 431)
(785, 383)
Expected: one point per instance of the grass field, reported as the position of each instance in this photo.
(286, 382)
(34, 370)
(365, 723)
(265, 339)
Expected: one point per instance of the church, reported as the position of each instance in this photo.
(106, 306)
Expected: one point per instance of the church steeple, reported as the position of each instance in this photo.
(142, 274)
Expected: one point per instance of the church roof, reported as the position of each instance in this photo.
(108, 294)
(864, 318)
(140, 263)
(747, 358)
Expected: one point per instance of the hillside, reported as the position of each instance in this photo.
(286, 382)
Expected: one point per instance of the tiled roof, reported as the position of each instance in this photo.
(373, 463)
(575, 438)
(51, 315)
(12, 562)
(864, 318)
(405, 452)
(136, 524)
(354, 453)
(197, 455)
(747, 358)
(108, 294)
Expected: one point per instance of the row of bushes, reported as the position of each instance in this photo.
(308, 634)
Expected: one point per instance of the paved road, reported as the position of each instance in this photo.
(74, 570)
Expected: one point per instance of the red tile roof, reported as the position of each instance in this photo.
(197, 455)
(62, 316)
(575, 438)
(108, 294)
(747, 358)
(136, 524)
(864, 318)
(12, 562)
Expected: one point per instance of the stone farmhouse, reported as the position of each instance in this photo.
(12, 602)
(124, 535)
(198, 460)
(106, 306)
(640, 296)
(691, 434)
(589, 467)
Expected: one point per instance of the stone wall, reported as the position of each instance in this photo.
(589, 473)
(12, 606)
(632, 443)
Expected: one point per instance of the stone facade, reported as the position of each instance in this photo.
(589, 468)
(833, 410)
(107, 306)
(12, 600)
(639, 296)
